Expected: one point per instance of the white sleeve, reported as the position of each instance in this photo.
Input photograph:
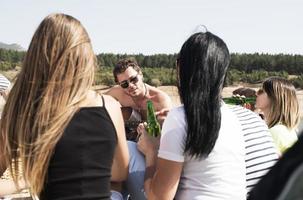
(173, 136)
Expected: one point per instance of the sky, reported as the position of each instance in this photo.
(162, 26)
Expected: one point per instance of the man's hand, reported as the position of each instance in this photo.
(161, 115)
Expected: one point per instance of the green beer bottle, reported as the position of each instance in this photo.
(153, 126)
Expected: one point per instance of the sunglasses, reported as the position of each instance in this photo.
(125, 84)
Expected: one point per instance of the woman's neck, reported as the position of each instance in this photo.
(265, 113)
(92, 99)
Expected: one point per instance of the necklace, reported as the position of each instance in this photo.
(145, 93)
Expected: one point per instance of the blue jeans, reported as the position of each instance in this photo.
(115, 195)
(134, 185)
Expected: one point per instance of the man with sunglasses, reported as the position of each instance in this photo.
(132, 92)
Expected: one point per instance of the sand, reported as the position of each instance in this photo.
(227, 92)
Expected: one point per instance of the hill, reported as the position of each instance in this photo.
(15, 47)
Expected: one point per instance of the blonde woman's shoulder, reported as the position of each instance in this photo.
(110, 101)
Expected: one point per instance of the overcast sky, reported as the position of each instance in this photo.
(161, 26)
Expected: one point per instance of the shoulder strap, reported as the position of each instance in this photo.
(103, 102)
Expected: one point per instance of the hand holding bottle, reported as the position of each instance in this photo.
(147, 144)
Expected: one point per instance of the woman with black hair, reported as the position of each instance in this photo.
(201, 153)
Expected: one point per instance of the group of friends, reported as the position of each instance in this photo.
(69, 140)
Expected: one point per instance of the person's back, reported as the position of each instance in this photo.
(68, 144)
(80, 167)
(201, 153)
(283, 177)
(260, 151)
(220, 175)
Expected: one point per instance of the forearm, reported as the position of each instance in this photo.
(119, 171)
(149, 174)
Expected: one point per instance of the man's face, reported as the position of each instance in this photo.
(131, 82)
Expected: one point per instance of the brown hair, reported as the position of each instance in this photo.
(123, 64)
(56, 75)
(284, 106)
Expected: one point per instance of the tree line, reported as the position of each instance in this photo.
(159, 69)
(292, 64)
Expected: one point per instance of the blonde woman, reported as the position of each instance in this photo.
(278, 102)
(69, 139)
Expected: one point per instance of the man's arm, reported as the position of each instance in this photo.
(165, 104)
(113, 91)
(117, 94)
(166, 101)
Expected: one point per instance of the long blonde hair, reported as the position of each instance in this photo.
(57, 73)
(284, 107)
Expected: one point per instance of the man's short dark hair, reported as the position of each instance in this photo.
(123, 64)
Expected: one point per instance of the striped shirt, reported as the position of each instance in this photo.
(4, 83)
(261, 152)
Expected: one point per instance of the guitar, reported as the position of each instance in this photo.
(132, 119)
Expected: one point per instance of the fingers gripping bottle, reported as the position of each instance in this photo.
(153, 126)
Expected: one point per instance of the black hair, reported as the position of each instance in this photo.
(202, 65)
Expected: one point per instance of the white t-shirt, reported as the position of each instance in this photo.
(219, 176)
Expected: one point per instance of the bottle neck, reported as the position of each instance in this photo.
(151, 112)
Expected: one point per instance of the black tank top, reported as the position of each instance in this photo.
(80, 167)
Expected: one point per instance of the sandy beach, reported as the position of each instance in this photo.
(172, 91)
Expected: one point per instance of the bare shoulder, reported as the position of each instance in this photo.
(119, 94)
(115, 91)
(113, 108)
(111, 101)
(157, 92)
(159, 96)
